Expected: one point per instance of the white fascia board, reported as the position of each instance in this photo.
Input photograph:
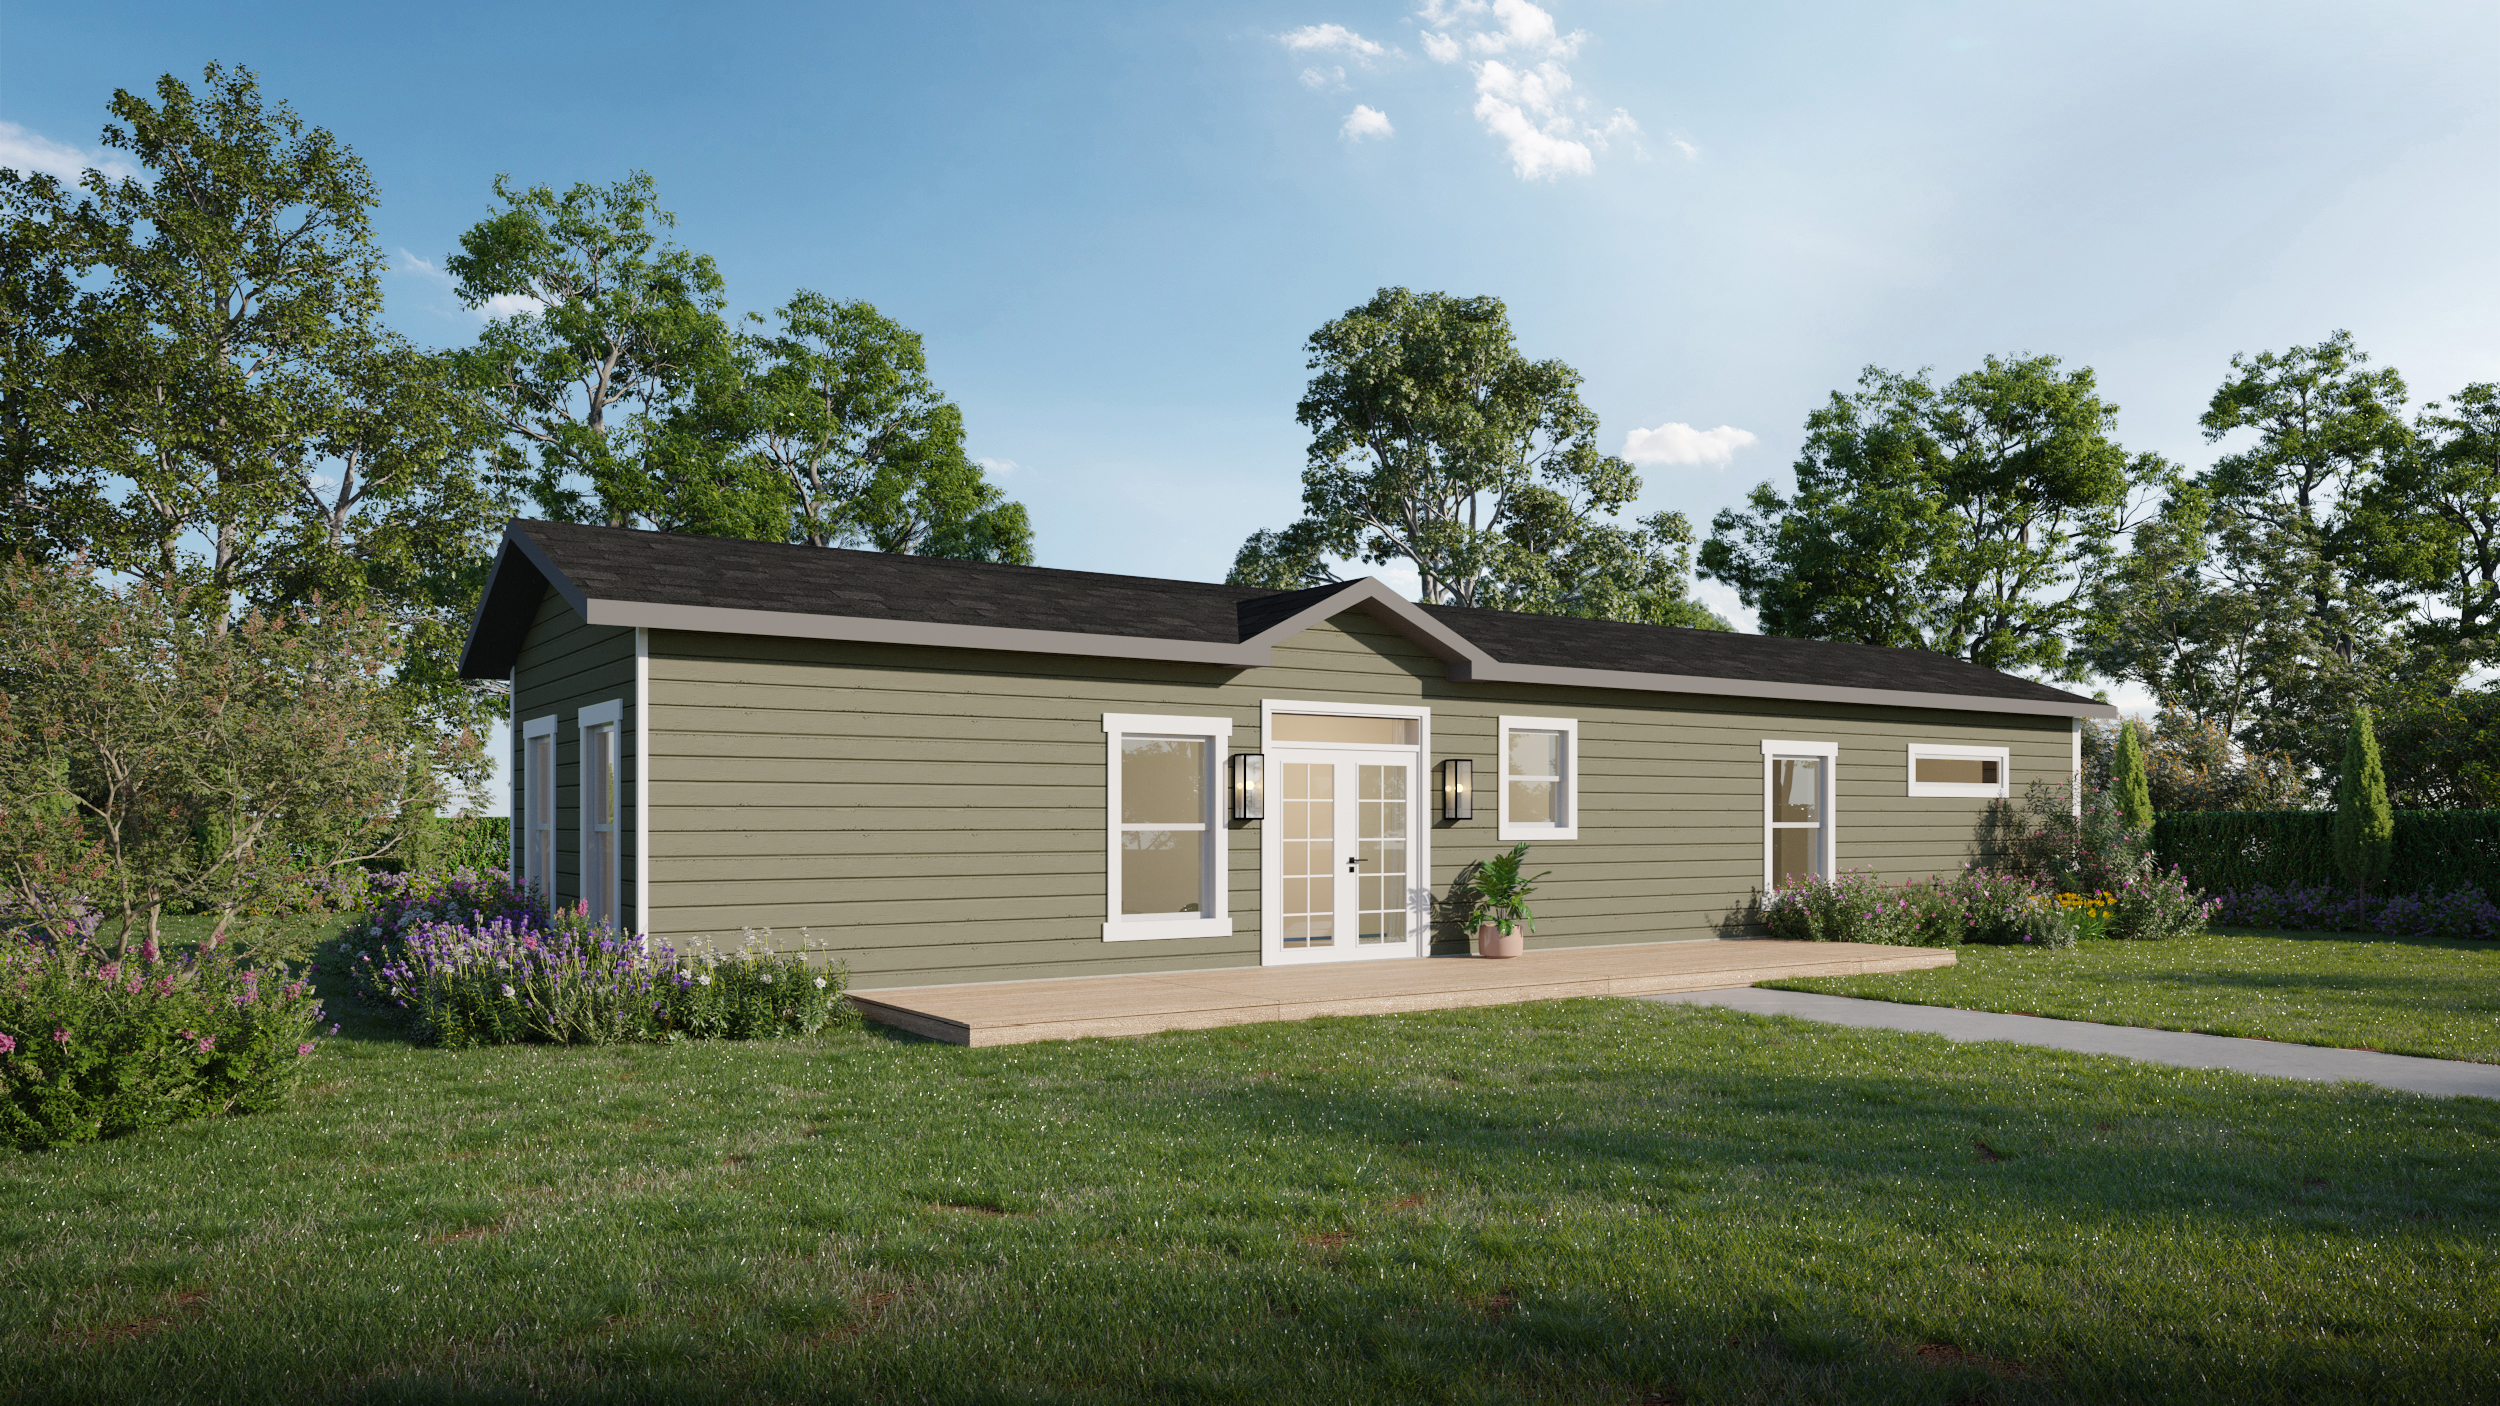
(1396, 611)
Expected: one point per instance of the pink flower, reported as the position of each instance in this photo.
(110, 971)
(207, 1043)
(304, 1049)
(61, 1035)
(132, 986)
(8, 1044)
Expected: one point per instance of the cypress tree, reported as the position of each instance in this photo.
(2126, 777)
(2365, 828)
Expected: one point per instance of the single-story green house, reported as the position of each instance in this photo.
(956, 771)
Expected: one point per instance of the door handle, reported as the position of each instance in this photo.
(1350, 861)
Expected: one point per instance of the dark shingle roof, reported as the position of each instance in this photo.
(1571, 643)
(660, 569)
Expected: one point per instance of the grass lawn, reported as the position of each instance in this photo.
(1594, 1201)
(2416, 996)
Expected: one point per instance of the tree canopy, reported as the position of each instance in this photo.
(1971, 518)
(1435, 442)
(198, 386)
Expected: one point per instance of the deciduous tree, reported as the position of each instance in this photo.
(1971, 518)
(199, 387)
(1435, 442)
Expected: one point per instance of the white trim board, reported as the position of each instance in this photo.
(1219, 735)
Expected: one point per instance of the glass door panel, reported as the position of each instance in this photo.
(1309, 815)
(1381, 853)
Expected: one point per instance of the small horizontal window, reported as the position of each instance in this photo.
(1975, 773)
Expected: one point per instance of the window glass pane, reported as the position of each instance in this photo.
(1796, 789)
(1958, 771)
(1792, 856)
(1162, 871)
(1536, 753)
(1532, 802)
(1163, 780)
(1328, 727)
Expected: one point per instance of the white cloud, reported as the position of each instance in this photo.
(31, 152)
(1691, 152)
(1366, 122)
(998, 468)
(1677, 443)
(1330, 39)
(1317, 78)
(1527, 102)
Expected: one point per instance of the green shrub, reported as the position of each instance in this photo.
(95, 1045)
(2157, 906)
(2238, 851)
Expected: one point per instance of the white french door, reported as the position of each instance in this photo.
(1342, 872)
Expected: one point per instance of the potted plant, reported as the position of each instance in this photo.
(1500, 903)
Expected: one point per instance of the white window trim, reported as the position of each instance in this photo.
(608, 714)
(1973, 790)
(1772, 749)
(1219, 735)
(1272, 949)
(1509, 829)
(525, 803)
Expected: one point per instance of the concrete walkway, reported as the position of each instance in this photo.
(2439, 1077)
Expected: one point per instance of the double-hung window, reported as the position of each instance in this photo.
(1166, 833)
(1540, 779)
(1797, 822)
(537, 811)
(602, 830)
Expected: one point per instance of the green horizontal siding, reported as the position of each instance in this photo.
(566, 666)
(939, 815)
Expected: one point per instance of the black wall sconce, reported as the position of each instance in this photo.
(1249, 771)
(1458, 789)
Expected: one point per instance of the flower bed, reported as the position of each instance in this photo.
(96, 1043)
(1976, 905)
(2462, 912)
(468, 959)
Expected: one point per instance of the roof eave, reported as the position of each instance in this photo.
(2073, 707)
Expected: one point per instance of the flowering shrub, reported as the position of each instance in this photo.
(2090, 912)
(2464, 912)
(1976, 905)
(1856, 907)
(93, 1045)
(470, 960)
(2157, 905)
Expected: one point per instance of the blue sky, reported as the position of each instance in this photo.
(1115, 224)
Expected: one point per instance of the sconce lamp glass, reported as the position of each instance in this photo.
(1249, 786)
(1458, 789)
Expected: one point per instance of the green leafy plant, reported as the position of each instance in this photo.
(95, 1044)
(1497, 894)
(2128, 778)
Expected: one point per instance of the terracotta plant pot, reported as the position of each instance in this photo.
(1491, 943)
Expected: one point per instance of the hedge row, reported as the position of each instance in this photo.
(448, 842)
(2220, 851)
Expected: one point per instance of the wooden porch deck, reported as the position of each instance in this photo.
(1018, 1012)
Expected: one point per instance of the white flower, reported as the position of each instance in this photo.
(703, 980)
(507, 988)
(820, 983)
(768, 978)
